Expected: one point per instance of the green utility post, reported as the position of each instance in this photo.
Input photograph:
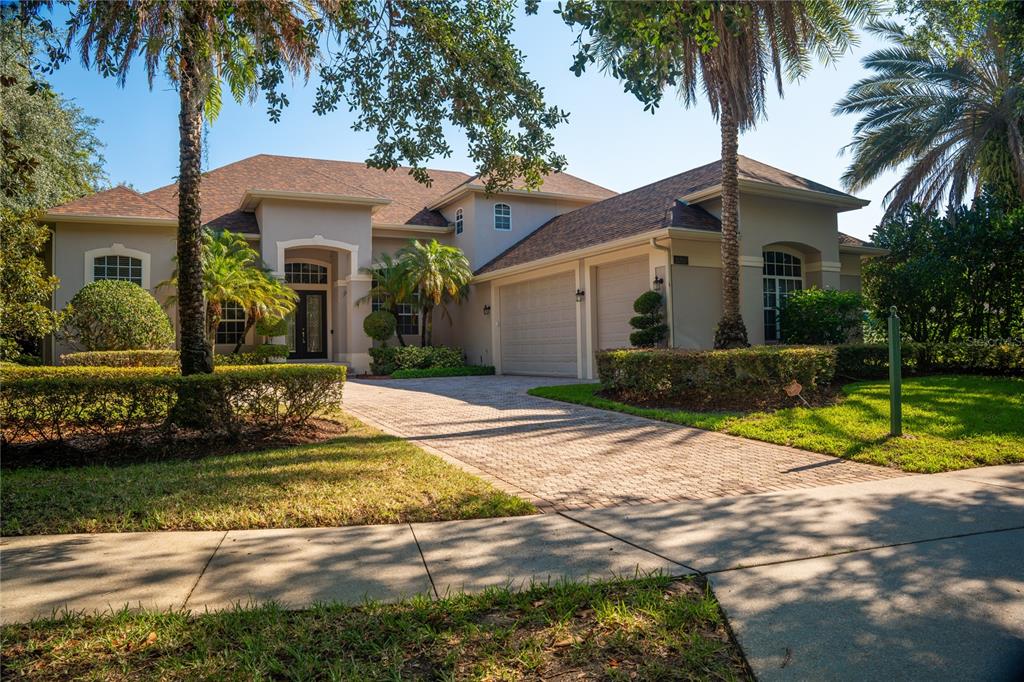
(895, 376)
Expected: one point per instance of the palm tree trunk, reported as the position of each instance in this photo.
(398, 329)
(424, 325)
(731, 332)
(196, 356)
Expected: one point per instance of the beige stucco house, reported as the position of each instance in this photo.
(557, 269)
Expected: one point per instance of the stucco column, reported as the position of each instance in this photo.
(357, 342)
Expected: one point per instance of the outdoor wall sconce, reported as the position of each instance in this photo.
(579, 295)
(487, 310)
(658, 281)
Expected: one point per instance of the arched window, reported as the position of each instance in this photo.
(782, 275)
(305, 273)
(127, 268)
(502, 217)
(232, 323)
(458, 221)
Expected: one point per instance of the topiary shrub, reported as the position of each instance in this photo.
(649, 323)
(116, 315)
(821, 316)
(277, 326)
(380, 325)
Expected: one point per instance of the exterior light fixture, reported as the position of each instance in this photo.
(487, 310)
(579, 295)
(658, 282)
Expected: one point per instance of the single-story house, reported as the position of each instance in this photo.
(556, 269)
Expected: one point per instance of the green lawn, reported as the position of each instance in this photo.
(362, 477)
(647, 629)
(949, 422)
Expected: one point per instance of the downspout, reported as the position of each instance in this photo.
(668, 291)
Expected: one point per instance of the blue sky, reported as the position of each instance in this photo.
(608, 139)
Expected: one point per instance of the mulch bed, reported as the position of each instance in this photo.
(157, 443)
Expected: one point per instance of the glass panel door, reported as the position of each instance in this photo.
(315, 323)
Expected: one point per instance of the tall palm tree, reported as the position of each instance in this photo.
(233, 273)
(953, 122)
(391, 286)
(197, 43)
(440, 274)
(726, 49)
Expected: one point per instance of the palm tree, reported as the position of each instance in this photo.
(198, 43)
(391, 286)
(953, 122)
(727, 50)
(233, 273)
(440, 274)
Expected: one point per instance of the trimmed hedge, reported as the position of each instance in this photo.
(52, 404)
(389, 359)
(116, 315)
(121, 358)
(757, 374)
(464, 371)
(871, 360)
(260, 355)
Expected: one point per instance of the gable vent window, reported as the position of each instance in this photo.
(118, 267)
(681, 260)
(458, 221)
(502, 217)
(232, 323)
(305, 273)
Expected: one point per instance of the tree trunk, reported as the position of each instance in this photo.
(731, 332)
(398, 331)
(428, 325)
(196, 357)
(425, 313)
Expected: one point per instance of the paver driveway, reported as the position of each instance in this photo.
(566, 456)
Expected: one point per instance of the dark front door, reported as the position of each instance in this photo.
(307, 326)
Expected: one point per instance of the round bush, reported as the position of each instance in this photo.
(117, 315)
(647, 303)
(380, 325)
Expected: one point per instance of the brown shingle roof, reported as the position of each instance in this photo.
(224, 187)
(641, 210)
(118, 201)
(850, 240)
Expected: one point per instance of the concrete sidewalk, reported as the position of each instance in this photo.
(918, 576)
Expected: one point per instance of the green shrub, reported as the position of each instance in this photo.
(121, 358)
(380, 325)
(116, 315)
(649, 322)
(260, 355)
(272, 326)
(757, 374)
(464, 371)
(821, 316)
(53, 404)
(871, 361)
(386, 360)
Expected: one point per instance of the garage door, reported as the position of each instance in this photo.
(618, 285)
(538, 326)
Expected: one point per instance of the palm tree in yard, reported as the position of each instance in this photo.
(199, 43)
(233, 273)
(439, 273)
(391, 286)
(953, 121)
(727, 50)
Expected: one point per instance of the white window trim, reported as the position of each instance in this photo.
(311, 261)
(495, 217)
(459, 220)
(116, 250)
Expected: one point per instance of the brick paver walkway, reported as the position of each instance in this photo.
(564, 456)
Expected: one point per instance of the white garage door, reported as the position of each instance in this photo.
(618, 285)
(538, 326)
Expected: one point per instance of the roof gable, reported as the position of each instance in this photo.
(119, 201)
